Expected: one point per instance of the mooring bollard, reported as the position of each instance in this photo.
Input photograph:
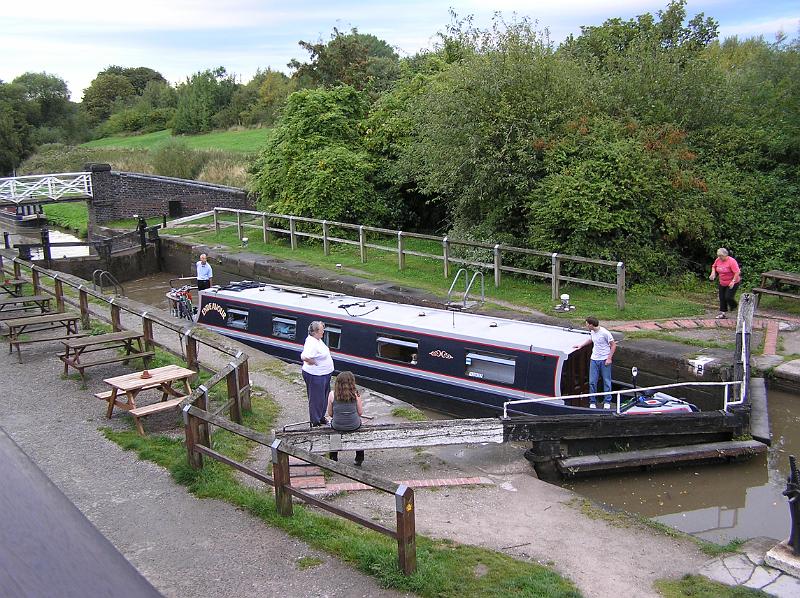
(793, 493)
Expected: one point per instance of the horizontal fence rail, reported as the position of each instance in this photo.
(49, 187)
(269, 224)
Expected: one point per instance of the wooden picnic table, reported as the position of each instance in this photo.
(7, 283)
(23, 302)
(130, 385)
(75, 350)
(774, 281)
(41, 323)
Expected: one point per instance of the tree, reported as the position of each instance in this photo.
(47, 96)
(314, 163)
(15, 131)
(138, 76)
(199, 99)
(360, 60)
(103, 92)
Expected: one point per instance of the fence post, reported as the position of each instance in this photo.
(446, 256)
(362, 240)
(7, 240)
(46, 253)
(497, 266)
(555, 281)
(239, 224)
(326, 244)
(58, 287)
(35, 282)
(233, 394)
(115, 317)
(147, 332)
(280, 475)
(17, 270)
(244, 385)
(216, 222)
(621, 285)
(406, 529)
(401, 258)
(83, 300)
(191, 354)
(192, 432)
(292, 237)
(265, 228)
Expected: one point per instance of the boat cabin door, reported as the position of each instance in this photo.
(575, 372)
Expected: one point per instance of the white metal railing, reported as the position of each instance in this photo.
(618, 394)
(554, 261)
(24, 189)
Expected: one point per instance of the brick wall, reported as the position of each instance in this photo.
(118, 195)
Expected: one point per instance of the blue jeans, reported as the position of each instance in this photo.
(598, 368)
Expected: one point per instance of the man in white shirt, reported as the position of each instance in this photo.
(204, 273)
(600, 360)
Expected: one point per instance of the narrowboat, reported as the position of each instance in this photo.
(24, 215)
(470, 364)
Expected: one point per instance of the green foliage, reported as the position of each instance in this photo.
(359, 60)
(100, 97)
(72, 216)
(200, 99)
(174, 158)
(15, 131)
(314, 163)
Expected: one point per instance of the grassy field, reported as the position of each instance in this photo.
(246, 141)
(72, 216)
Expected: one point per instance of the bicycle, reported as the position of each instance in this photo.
(182, 306)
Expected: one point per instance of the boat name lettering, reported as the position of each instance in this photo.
(214, 307)
(441, 354)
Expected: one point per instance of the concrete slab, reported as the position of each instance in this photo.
(784, 587)
(789, 371)
(717, 571)
(756, 549)
(759, 414)
(739, 566)
(783, 557)
(762, 576)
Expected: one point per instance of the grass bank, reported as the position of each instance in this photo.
(247, 141)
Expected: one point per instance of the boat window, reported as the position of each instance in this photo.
(237, 318)
(333, 337)
(284, 327)
(396, 348)
(490, 367)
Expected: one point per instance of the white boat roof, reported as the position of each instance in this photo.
(427, 320)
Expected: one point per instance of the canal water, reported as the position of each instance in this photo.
(31, 235)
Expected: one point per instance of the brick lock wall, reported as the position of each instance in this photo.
(118, 195)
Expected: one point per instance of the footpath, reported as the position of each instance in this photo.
(191, 547)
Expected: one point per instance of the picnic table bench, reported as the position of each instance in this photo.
(12, 286)
(773, 281)
(23, 302)
(130, 385)
(75, 350)
(41, 323)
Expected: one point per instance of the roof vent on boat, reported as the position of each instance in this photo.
(420, 314)
(304, 295)
(492, 324)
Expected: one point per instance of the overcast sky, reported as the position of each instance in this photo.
(75, 40)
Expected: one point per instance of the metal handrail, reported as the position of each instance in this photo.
(97, 280)
(469, 286)
(455, 280)
(72, 185)
(634, 390)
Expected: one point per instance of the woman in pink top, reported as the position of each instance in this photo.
(727, 269)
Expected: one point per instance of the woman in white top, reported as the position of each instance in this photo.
(317, 370)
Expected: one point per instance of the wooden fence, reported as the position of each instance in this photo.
(266, 226)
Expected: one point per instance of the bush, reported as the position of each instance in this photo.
(174, 158)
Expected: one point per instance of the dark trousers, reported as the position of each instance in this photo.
(726, 297)
(334, 456)
(202, 285)
(318, 388)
